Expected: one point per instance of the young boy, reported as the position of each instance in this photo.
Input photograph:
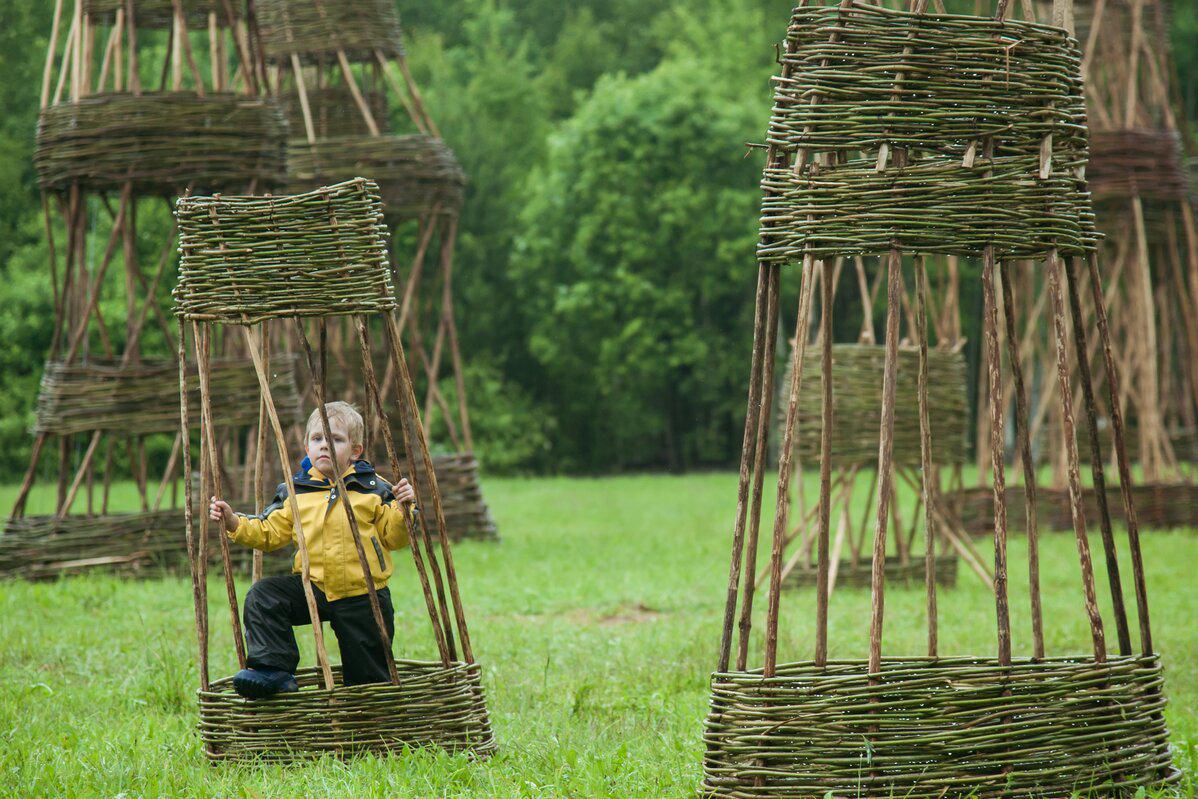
(274, 605)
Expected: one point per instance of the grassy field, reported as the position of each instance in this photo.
(597, 621)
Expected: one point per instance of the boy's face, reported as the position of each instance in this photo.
(322, 456)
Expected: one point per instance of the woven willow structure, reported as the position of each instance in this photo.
(315, 29)
(161, 13)
(342, 67)
(857, 370)
(1138, 178)
(1159, 506)
(439, 703)
(121, 131)
(161, 144)
(418, 174)
(95, 395)
(871, 96)
(431, 705)
(128, 544)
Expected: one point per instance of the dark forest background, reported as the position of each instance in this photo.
(605, 268)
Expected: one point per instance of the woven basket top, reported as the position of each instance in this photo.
(161, 13)
(318, 28)
(247, 259)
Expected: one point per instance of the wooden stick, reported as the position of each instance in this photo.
(318, 387)
(786, 454)
(407, 399)
(302, 90)
(448, 246)
(47, 72)
(168, 473)
(925, 455)
(748, 451)
(64, 505)
(1077, 511)
(203, 337)
(98, 284)
(885, 459)
(761, 447)
(400, 92)
(322, 655)
(997, 461)
(827, 420)
(1096, 464)
(196, 555)
(416, 532)
(417, 100)
(1125, 481)
(1029, 465)
(352, 83)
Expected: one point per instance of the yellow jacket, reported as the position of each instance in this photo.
(333, 559)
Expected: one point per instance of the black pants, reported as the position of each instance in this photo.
(274, 605)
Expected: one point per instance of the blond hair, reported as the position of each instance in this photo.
(355, 427)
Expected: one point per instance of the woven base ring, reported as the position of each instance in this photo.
(898, 574)
(1159, 506)
(433, 705)
(933, 729)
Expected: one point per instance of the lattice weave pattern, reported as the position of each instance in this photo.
(1136, 163)
(161, 13)
(162, 143)
(1035, 728)
(415, 173)
(142, 398)
(432, 705)
(943, 87)
(246, 259)
(314, 28)
(857, 394)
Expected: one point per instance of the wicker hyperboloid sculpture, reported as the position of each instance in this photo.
(121, 133)
(903, 134)
(342, 67)
(248, 263)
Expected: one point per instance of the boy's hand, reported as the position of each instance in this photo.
(403, 492)
(219, 511)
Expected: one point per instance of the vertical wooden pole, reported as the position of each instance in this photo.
(196, 555)
(203, 338)
(827, 421)
(1121, 459)
(1029, 464)
(322, 655)
(997, 464)
(417, 531)
(1096, 464)
(48, 70)
(1074, 475)
(748, 451)
(408, 400)
(885, 458)
(925, 456)
(318, 387)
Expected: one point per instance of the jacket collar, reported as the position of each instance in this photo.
(360, 474)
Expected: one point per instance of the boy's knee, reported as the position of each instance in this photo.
(263, 595)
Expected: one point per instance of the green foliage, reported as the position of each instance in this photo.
(631, 262)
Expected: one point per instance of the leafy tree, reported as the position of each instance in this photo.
(635, 255)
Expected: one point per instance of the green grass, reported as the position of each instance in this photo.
(597, 620)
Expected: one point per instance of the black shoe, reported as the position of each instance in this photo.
(263, 683)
